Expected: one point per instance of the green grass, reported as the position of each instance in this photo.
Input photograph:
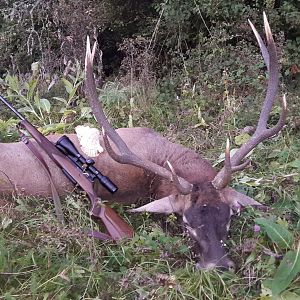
(40, 260)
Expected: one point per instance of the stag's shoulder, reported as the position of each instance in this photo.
(136, 134)
(136, 130)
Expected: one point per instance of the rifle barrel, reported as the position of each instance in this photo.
(11, 108)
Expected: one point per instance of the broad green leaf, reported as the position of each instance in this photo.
(68, 85)
(72, 77)
(72, 93)
(60, 99)
(13, 83)
(59, 127)
(85, 112)
(45, 105)
(37, 100)
(286, 272)
(31, 88)
(276, 232)
(26, 109)
(287, 296)
(250, 181)
(241, 139)
(68, 112)
(295, 164)
(33, 283)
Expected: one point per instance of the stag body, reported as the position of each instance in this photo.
(28, 178)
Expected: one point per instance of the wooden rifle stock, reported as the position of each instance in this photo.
(115, 225)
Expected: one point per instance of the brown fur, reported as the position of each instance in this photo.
(21, 171)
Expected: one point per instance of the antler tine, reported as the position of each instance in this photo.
(176, 179)
(263, 48)
(125, 156)
(222, 179)
(262, 132)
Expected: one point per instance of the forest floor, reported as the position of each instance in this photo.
(41, 260)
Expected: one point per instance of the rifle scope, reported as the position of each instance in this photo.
(65, 145)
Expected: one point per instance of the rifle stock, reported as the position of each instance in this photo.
(118, 228)
(115, 225)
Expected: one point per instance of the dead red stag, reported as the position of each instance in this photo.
(144, 164)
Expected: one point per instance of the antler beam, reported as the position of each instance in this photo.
(125, 156)
(262, 132)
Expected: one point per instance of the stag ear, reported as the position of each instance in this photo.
(236, 199)
(166, 205)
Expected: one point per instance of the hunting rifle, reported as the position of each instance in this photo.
(79, 171)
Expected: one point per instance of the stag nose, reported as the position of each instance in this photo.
(224, 264)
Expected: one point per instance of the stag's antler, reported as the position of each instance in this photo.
(126, 156)
(262, 132)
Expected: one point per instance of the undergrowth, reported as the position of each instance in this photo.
(41, 260)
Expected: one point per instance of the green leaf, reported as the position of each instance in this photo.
(250, 181)
(3, 255)
(241, 139)
(26, 109)
(31, 88)
(73, 92)
(37, 100)
(68, 85)
(45, 105)
(13, 83)
(6, 222)
(85, 112)
(286, 272)
(60, 99)
(276, 232)
(68, 112)
(295, 164)
(58, 127)
(287, 296)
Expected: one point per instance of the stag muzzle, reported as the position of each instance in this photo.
(224, 263)
(210, 248)
(214, 257)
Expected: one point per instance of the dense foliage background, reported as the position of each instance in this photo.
(189, 69)
(53, 32)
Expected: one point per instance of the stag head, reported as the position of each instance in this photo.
(206, 207)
